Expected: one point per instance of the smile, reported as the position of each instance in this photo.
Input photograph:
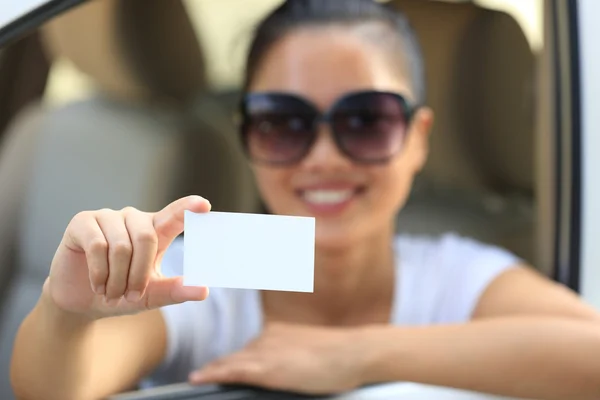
(327, 197)
(329, 201)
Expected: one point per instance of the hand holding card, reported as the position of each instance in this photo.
(249, 251)
(108, 262)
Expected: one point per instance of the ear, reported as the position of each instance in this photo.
(420, 131)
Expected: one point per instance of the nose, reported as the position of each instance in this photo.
(325, 154)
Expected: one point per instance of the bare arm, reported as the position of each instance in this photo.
(536, 358)
(65, 356)
(96, 329)
(529, 338)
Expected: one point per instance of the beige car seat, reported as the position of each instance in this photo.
(132, 143)
(479, 180)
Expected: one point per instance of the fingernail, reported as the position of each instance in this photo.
(112, 302)
(101, 289)
(197, 199)
(133, 296)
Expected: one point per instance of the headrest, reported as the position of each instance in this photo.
(480, 72)
(132, 49)
(498, 65)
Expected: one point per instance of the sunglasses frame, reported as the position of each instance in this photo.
(243, 120)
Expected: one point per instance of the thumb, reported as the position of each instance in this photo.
(168, 291)
(168, 222)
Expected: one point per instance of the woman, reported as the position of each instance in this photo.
(333, 125)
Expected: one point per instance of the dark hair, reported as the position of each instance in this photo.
(295, 14)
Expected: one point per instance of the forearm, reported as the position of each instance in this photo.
(51, 357)
(63, 356)
(543, 359)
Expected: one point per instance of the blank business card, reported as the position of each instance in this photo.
(249, 251)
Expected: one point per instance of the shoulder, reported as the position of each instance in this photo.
(450, 250)
(452, 271)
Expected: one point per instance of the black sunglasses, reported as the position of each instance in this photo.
(368, 127)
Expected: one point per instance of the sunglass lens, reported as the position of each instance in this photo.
(278, 129)
(370, 126)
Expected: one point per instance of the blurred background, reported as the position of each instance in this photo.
(223, 29)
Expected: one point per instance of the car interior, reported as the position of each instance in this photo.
(168, 129)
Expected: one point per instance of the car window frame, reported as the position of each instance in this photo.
(32, 20)
(585, 33)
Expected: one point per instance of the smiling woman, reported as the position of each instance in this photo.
(335, 124)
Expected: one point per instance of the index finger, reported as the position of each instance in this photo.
(168, 222)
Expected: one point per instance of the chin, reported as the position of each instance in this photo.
(335, 239)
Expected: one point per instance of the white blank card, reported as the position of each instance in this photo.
(249, 251)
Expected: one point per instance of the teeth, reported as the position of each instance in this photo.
(327, 196)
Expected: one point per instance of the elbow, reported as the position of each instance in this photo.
(591, 376)
(577, 363)
(593, 388)
(595, 381)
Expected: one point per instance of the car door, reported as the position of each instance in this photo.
(586, 89)
(573, 60)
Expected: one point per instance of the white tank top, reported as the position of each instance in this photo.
(439, 281)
